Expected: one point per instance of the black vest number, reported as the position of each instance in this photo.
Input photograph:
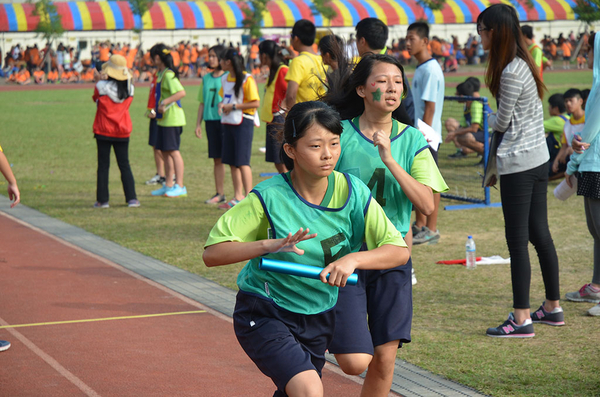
(378, 179)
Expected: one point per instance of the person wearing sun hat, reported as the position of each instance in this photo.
(113, 95)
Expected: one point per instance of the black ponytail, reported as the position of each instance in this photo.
(237, 62)
(164, 53)
(275, 54)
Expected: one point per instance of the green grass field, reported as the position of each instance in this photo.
(47, 136)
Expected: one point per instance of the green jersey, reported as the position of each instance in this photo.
(346, 218)
(208, 94)
(409, 148)
(167, 85)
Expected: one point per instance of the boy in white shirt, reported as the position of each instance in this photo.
(573, 126)
(428, 96)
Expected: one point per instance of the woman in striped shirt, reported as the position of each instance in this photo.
(522, 164)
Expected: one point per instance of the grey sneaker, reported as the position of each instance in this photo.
(594, 311)
(154, 180)
(587, 293)
(415, 229)
(426, 236)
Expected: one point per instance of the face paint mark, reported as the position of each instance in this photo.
(373, 84)
(377, 95)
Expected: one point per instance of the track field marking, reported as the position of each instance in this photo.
(81, 385)
(102, 319)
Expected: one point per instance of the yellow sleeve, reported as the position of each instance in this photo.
(297, 70)
(425, 170)
(243, 223)
(379, 230)
(250, 90)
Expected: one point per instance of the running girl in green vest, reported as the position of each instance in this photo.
(393, 160)
(271, 111)
(285, 323)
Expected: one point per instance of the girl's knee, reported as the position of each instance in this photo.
(354, 363)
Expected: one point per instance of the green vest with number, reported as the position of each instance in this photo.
(360, 158)
(340, 231)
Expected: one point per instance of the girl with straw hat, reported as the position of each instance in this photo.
(113, 95)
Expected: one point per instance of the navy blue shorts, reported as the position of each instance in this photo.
(153, 136)
(273, 153)
(214, 134)
(282, 344)
(237, 143)
(375, 311)
(479, 136)
(168, 138)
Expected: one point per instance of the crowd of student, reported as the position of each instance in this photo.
(360, 88)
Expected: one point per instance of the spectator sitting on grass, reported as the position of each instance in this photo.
(574, 106)
(39, 77)
(468, 136)
(554, 127)
(52, 76)
(22, 77)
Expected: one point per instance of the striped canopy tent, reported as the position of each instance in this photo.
(169, 15)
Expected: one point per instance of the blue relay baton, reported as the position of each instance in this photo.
(295, 269)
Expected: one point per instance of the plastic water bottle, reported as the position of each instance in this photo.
(470, 253)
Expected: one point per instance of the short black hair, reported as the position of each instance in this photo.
(305, 30)
(527, 31)
(474, 81)
(420, 28)
(557, 101)
(585, 94)
(465, 89)
(374, 31)
(572, 93)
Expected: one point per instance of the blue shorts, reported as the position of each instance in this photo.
(479, 136)
(214, 134)
(375, 311)
(282, 344)
(237, 143)
(153, 136)
(273, 153)
(168, 138)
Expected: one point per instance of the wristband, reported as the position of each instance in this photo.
(234, 108)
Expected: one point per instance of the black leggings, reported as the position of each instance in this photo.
(122, 155)
(524, 204)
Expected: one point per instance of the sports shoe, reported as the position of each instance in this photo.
(4, 345)
(594, 311)
(587, 293)
(162, 191)
(458, 155)
(216, 199)
(154, 180)
(413, 277)
(510, 329)
(555, 317)
(133, 203)
(228, 205)
(415, 229)
(176, 191)
(426, 236)
(98, 204)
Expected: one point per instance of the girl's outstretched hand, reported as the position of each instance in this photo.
(288, 244)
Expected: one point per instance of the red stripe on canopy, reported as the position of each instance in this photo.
(218, 16)
(305, 10)
(97, 16)
(338, 20)
(63, 9)
(128, 21)
(158, 18)
(448, 13)
(360, 9)
(189, 20)
(276, 13)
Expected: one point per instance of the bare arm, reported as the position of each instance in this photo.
(291, 93)
(232, 251)
(384, 257)
(13, 189)
(199, 120)
(429, 112)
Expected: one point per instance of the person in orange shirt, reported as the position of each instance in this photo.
(34, 54)
(194, 52)
(553, 50)
(176, 58)
(87, 76)
(52, 75)
(23, 77)
(186, 62)
(565, 48)
(104, 55)
(66, 76)
(39, 77)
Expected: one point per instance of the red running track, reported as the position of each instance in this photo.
(46, 280)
